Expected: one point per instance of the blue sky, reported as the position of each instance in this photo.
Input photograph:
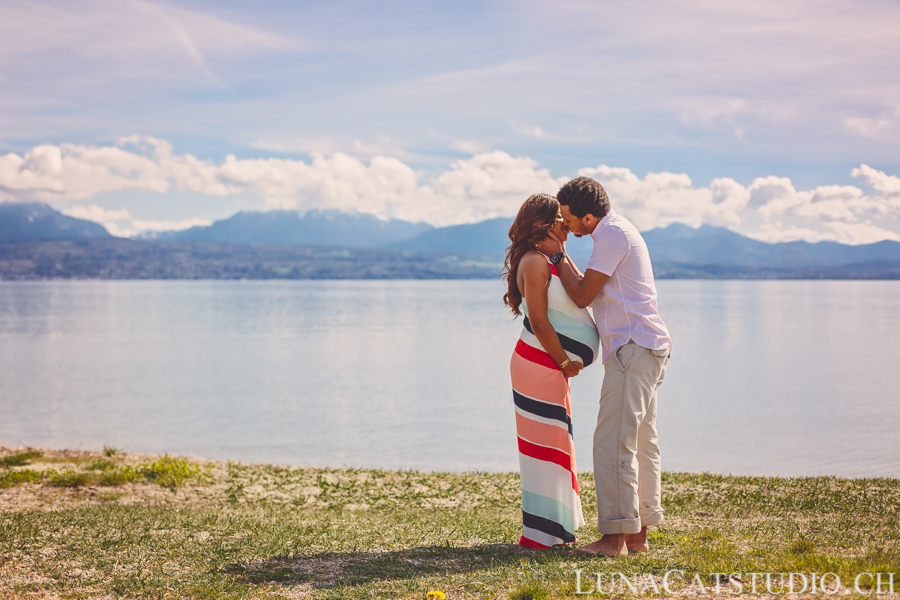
(777, 119)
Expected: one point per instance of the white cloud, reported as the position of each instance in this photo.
(71, 172)
(484, 186)
(663, 198)
(113, 228)
(859, 233)
(776, 196)
(834, 231)
(111, 219)
(122, 223)
(142, 225)
(888, 185)
(869, 128)
(831, 212)
(777, 232)
(487, 185)
(97, 213)
(337, 182)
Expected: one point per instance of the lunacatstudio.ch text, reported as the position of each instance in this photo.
(676, 581)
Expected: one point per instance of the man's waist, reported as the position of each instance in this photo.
(656, 341)
(665, 350)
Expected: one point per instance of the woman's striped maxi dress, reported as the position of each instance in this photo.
(551, 504)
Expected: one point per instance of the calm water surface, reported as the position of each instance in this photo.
(767, 377)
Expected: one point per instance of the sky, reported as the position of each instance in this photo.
(779, 120)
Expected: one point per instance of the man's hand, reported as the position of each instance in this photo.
(572, 369)
(550, 245)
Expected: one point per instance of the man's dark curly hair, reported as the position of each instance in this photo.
(584, 196)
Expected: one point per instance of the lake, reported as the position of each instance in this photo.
(766, 377)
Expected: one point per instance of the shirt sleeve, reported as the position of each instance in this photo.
(610, 248)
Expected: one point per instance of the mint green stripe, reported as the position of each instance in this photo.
(548, 508)
(573, 328)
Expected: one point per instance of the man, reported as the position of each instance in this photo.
(618, 283)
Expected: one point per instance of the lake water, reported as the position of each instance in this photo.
(767, 377)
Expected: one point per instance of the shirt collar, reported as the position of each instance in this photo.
(602, 223)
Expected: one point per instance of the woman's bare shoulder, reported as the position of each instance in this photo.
(533, 261)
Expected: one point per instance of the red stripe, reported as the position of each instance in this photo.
(546, 454)
(552, 266)
(524, 541)
(557, 457)
(536, 356)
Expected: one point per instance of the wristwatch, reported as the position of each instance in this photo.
(555, 258)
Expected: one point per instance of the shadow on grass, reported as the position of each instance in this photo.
(349, 569)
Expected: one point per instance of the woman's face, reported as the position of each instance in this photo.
(559, 228)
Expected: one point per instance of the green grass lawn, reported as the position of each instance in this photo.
(104, 524)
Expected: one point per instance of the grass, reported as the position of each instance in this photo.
(13, 478)
(226, 530)
(19, 459)
(105, 470)
(170, 472)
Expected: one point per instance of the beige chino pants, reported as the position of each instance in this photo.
(626, 450)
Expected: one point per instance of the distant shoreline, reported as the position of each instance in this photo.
(119, 259)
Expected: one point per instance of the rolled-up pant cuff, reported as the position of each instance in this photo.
(651, 517)
(613, 526)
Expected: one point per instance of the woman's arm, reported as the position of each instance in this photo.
(535, 273)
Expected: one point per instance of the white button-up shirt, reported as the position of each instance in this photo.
(626, 307)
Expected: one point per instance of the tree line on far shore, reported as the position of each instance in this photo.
(155, 259)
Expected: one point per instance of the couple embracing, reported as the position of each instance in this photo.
(559, 338)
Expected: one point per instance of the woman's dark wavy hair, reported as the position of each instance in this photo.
(532, 224)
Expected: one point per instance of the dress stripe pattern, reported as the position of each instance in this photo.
(551, 503)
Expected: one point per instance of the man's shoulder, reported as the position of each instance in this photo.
(620, 222)
(617, 228)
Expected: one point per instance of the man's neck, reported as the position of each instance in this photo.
(596, 223)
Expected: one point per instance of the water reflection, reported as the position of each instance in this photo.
(767, 377)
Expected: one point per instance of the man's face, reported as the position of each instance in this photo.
(576, 225)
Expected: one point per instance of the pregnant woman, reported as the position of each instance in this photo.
(558, 340)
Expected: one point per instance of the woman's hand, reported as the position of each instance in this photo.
(572, 369)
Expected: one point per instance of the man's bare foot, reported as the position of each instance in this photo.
(637, 542)
(612, 545)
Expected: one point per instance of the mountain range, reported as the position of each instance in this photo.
(679, 243)
(317, 228)
(33, 221)
(678, 250)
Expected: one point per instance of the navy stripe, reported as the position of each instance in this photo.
(547, 526)
(543, 409)
(582, 351)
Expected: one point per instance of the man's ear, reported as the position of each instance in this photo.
(587, 219)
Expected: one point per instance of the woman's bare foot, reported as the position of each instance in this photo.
(637, 542)
(611, 545)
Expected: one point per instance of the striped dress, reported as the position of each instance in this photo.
(551, 504)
